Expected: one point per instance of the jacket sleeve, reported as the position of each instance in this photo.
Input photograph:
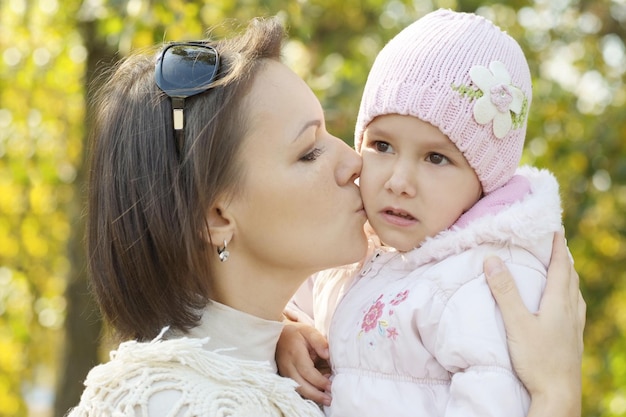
(315, 301)
(471, 344)
(300, 307)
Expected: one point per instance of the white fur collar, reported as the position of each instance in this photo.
(523, 223)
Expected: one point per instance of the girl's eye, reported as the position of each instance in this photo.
(437, 159)
(312, 156)
(381, 146)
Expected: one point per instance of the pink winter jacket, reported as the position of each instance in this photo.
(418, 333)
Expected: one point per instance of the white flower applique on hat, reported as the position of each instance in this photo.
(497, 99)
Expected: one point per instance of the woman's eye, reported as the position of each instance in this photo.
(381, 146)
(437, 159)
(312, 156)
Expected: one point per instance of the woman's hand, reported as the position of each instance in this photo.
(546, 347)
(302, 355)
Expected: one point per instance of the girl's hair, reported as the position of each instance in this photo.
(147, 207)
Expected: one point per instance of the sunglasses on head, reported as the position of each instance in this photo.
(181, 71)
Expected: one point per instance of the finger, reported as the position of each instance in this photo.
(560, 279)
(574, 282)
(290, 314)
(504, 291)
(574, 288)
(315, 377)
(562, 286)
(306, 374)
(312, 392)
(317, 342)
(311, 383)
(582, 318)
(582, 309)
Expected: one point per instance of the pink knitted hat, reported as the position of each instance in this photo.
(463, 75)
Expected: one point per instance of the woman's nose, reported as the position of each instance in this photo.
(350, 164)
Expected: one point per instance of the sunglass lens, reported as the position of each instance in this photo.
(187, 69)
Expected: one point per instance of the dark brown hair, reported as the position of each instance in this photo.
(147, 204)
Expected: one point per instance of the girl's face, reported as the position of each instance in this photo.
(299, 208)
(415, 183)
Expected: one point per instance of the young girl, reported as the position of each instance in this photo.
(441, 129)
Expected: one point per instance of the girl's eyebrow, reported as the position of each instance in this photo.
(377, 130)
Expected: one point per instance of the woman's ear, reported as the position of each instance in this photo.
(220, 223)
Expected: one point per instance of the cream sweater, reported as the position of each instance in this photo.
(230, 371)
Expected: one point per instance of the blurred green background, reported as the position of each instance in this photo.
(51, 51)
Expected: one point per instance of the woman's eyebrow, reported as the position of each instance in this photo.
(315, 123)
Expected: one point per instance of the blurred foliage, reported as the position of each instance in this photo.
(576, 128)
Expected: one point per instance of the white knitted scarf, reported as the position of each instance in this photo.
(207, 383)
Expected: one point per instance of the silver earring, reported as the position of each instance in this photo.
(223, 252)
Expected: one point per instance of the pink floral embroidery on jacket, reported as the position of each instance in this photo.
(373, 318)
(370, 320)
(400, 297)
(392, 333)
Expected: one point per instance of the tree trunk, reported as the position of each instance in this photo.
(83, 323)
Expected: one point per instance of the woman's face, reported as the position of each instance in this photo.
(299, 208)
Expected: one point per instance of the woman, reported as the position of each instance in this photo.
(215, 190)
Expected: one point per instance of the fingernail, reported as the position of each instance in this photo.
(493, 265)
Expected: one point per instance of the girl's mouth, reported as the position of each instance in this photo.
(398, 217)
(401, 214)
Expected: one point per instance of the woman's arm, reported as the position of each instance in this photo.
(546, 347)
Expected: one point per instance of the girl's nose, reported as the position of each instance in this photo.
(401, 181)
